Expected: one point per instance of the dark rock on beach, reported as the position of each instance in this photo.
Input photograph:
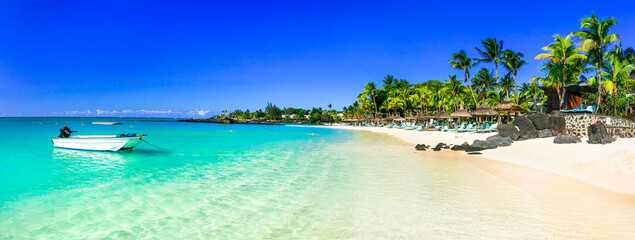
(422, 147)
(540, 120)
(499, 141)
(441, 146)
(598, 134)
(526, 128)
(461, 147)
(480, 144)
(545, 133)
(509, 130)
(566, 139)
(558, 125)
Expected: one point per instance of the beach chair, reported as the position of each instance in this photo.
(490, 129)
(469, 126)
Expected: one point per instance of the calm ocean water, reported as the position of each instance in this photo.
(252, 182)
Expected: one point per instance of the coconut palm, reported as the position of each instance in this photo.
(532, 90)
(506, 84)
(617, 78)
(452, 87)
(404, 94)
(370, 91)
(494, 97)
(485, 81)
(621, 54)
(492, 52)
(596, 36)
(561, 52)
(513, 61)
(388, 80)
(461, 61)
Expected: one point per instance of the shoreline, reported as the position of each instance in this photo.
(610, 167)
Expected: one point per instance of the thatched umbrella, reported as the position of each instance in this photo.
(399, 119)
(461, 113)
(442, 115)
(484, 112)
(508, 106)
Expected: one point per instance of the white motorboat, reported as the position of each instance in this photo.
(110, 143)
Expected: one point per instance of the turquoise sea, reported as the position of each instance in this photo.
(253, 182)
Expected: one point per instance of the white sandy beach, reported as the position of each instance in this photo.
(610, 166)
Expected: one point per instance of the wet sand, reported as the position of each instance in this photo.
(610, 166)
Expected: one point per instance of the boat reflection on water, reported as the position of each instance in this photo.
(84, 161)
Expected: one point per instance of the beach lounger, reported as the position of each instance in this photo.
(466, 129)
(490, 129)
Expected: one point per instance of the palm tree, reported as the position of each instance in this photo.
(623, 55)
(452, 87)
(388, 80)
(494, 97)
(595, 35)
(617, 78)
(561, 52)
(513, 61)
(492, 52)
(404, 94)
(532, 90)
(461, 61)
(421, 92)
(370, 91)
(506, 84)
(484, 80)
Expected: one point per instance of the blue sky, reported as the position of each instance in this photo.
(186, 58)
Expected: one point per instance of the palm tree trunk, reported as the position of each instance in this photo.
(562, 100)
(456, 102)
(375, 102)
(516, 88)
(497, 79)
(469, 84)
(599, 77)
(614, 104)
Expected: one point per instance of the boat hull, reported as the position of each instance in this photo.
(110, 143)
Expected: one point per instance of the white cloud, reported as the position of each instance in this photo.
(202, 112)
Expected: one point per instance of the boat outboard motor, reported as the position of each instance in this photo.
(65, 132)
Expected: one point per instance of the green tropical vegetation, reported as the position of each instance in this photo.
(274, 113)
(593, 54)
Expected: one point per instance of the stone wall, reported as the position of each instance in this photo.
(577, 124)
